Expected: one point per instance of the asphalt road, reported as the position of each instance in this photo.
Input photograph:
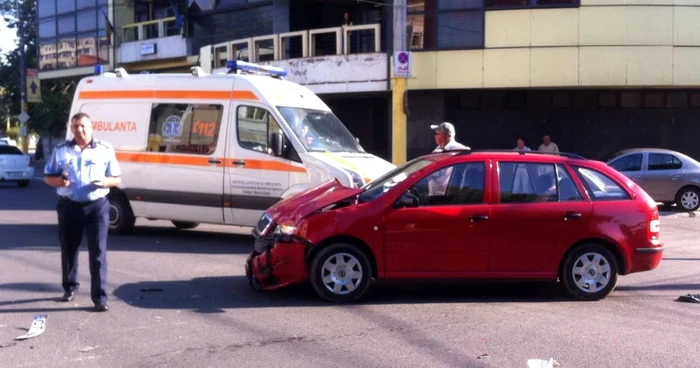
(206, 315)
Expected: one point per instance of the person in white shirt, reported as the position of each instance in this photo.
(445, 138)
(521, 146)
(548, 146)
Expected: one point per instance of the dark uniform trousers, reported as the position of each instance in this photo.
(73, 218)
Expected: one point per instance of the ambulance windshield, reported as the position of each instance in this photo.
(320, 131)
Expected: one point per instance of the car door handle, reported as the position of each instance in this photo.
(238, 163)
(572, 215)
(675, 177)
(214, 161)
(478, 218)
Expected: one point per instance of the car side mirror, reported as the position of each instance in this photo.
(277, 144)
(357, 140)
(407, 200)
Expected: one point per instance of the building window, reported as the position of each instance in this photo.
(72, 33)
(445, 24)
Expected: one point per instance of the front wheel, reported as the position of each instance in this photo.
(589, 272)
(340, 273)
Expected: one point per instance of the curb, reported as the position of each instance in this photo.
(667, 214)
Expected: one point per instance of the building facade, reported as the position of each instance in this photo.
(597, 75)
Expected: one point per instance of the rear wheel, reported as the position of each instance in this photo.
(688, 199)
(589, 272)
(121, 218)
(340, 273)
(185, 225)
(23, 183)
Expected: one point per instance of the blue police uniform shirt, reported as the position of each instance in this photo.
(96, 162)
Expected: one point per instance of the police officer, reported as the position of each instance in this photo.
(83, 169)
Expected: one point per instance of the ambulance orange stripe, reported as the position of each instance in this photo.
(166, 159)
(99, 95)
(175, 94)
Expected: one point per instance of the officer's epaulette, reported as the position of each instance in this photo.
(102, 143)
(64, 144)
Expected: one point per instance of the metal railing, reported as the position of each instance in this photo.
(151, 29)
(300, 44)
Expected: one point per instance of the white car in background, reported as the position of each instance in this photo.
(15, 165)
(8, 141)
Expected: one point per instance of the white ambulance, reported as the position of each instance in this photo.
(216, 148)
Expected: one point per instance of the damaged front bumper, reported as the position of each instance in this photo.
(277, 260)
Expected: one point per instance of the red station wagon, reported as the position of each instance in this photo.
(463, 215)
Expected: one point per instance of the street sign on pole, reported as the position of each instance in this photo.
(33, 86)
(23, 117)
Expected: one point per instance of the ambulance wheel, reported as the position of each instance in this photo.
(185, 225)
(121, 218)
(23, 183)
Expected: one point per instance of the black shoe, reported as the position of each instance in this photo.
(99, 307)
(68, 296)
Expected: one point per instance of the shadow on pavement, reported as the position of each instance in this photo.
(216, 294)
(144, 239)
(659, 287)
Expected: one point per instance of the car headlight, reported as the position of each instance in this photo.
(357, 180)
(285, 229)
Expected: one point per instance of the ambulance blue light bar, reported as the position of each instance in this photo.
(99, 69)
(243, 65)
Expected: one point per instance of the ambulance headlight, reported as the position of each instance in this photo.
(356, 178)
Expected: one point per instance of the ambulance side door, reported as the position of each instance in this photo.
(255, 176)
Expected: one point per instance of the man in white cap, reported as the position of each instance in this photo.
(445, 138)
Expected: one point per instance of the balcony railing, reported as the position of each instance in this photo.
(300, 44)
(151, 29)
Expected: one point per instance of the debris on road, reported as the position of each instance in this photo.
(37, 328)
(89, 348)
(541, 363)
(689, 298)
(483, 356)
(151, 289)
(9, 344)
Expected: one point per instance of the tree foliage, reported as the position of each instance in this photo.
(50, 115)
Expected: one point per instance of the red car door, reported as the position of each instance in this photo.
(448, 232)
(541, 212)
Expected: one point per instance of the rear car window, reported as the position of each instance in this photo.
(522, 182)
(600, 187)
(10, 150)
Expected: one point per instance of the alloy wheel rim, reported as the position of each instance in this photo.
(689, 200)
(591, 272)
(341, 273)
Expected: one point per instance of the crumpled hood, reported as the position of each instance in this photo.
(369, 167)
(292, 209)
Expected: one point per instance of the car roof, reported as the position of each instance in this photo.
(534, 156)
(651, 150)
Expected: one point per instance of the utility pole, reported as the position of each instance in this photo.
(398, 86)
(22, 78)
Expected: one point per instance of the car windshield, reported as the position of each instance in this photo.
(320, 131)
(381, 185)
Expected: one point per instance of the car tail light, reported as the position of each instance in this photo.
(654, 228)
